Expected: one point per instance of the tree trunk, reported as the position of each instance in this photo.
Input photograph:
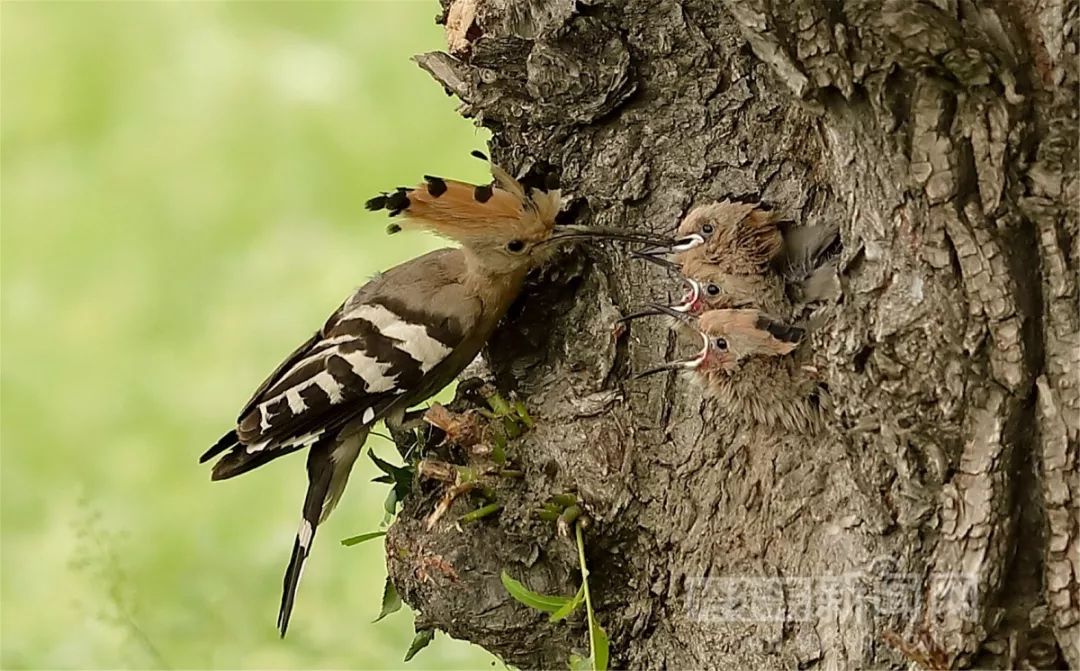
(935, 519)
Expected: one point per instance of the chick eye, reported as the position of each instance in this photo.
(712, 290)
(721, 344)
(515, 246)
(707, 229)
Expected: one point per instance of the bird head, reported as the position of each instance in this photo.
(507, 225)
(730, 336)
(722, 234)
(709, 289)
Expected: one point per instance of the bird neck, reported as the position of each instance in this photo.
(497, 285)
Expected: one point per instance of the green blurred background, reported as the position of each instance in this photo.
(182, 204)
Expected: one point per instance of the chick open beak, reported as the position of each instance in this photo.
(687, 364)
(680, 310)
(693, 294)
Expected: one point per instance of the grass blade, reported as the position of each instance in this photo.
(356, 540)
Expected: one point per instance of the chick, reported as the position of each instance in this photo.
(711, 232)
(744, 365)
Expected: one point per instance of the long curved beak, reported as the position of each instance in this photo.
(650, 311)
(658, 259)
(687, 364)
(670, 311)
(680, 310)
(663, 368)
(568, 232)
(674, 246)
(655, 310)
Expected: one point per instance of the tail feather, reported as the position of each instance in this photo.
(239, 461)
(320, 467)
(301, 549)
(227, 441)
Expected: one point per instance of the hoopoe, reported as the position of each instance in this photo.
(724, 252)
(733, 236)
(709, 289)
(398, 339)
(735, 254)
(743, 365)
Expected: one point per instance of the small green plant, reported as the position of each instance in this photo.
(401, 480)
(561, 607)
(484, 436)
(598, 640)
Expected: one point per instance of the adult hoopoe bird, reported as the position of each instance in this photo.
(398, 339)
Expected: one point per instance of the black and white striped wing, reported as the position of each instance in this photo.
(371, 351)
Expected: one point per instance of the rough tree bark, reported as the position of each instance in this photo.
(941, 135)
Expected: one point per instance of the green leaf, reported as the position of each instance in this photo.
(564, 500)
(600, 645)
(480, 513)
(390, 505)
(569, 607)
(401, 479)
(498, 404)
(598, 661)
(383, 465)
(519, 407)
(419, 642)
(356, 540)
(543, 602)
(512, 428)
(498, 450)
(391, 602)
(400, 476)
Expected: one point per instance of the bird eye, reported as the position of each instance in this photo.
(515, 246)
(721, 344)
(707, 229)
(712, 290)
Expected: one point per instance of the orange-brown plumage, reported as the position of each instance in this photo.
(740, 238)
(721, 214)
(457, 213)
(476, 215)
(745, 333)
(743, 364)
(724, 289)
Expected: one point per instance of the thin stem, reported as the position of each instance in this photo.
(585, 585)
(480, 513)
